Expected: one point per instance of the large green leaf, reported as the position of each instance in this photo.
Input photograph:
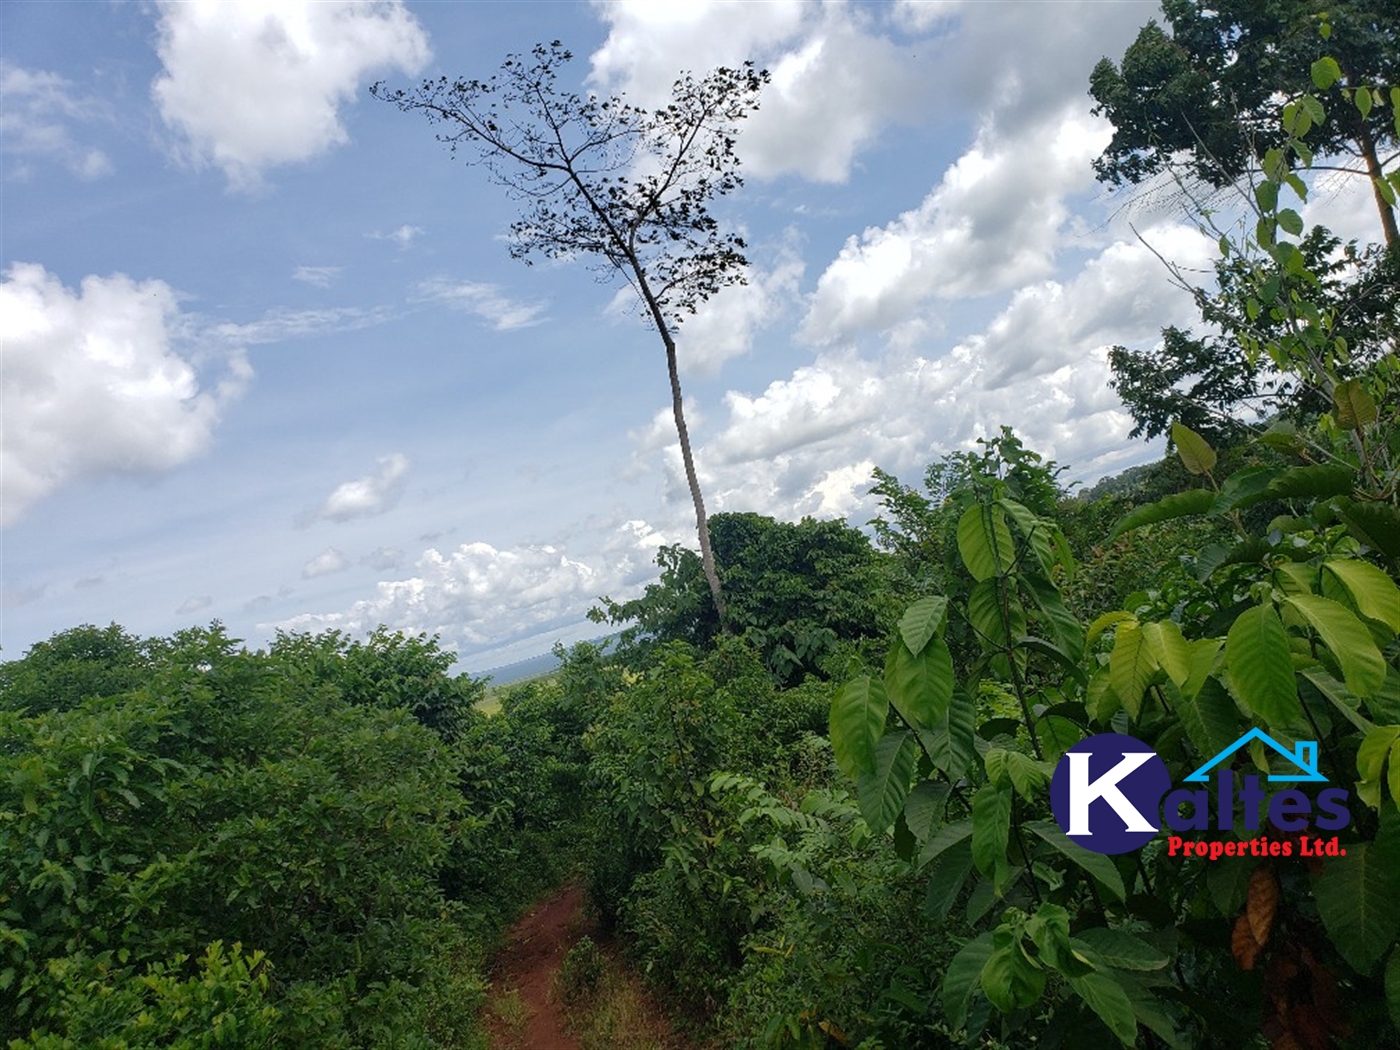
(1106, 997)
(1375, 524)
(1196, 454)
(984, 541)
(950, 744)
(990, 605)
(1356, 897)
(1261, 667)
(1169, 649)
(1210, 719)
(1096, 865)
(881, 794)
(946, 875)
(945, 838)
(858, 715)
(963, 977)
(1355, 407)
(1121, 949)
(1036, 532)
(1312, 482)
(1374, 593)
(1363, 666)
(925, 807)
(1178, 505)
(991, 827)
(1010, 980)
(922, 620)
(1131, 666)
(1065, 628)
(1392, 987)
(921, 686)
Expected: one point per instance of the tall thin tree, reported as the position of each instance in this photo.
(600, 177)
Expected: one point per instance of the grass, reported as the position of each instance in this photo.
(615, 1012)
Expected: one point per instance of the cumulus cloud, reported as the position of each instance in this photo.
(366, 496)
(93, 383)
(724, 326)
(485, 301)
(807, 444)
(260, 83)
(989, 225)
(36, 123)
(328, 561)
(837, 80)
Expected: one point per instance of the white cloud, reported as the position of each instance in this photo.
(807, 444)
(485, 301)
(383, 559)
(403, 236)
(328, 561)
(279, 324)
(836, 80)
(316, 276)
(260, 83)
(36, 120)
(995, 221)
(93, 383)
(367, 496)
(724, 326)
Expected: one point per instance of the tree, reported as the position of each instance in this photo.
(600, 177)
(1213, 90)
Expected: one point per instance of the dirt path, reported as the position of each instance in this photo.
(524, 1015)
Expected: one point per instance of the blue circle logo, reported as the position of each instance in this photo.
(1107, 791)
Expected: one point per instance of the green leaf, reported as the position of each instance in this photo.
(924, 806)
(1261, 667)
(945, 839)
(1096, 865)
(1355, 407)
(1363, 101)
(1123, 950)
(1195, 452)
(1266, 193)
(921, 621)
(1177, 505)
(920, 687)
(858, 715)
(1064, 626)
(1356, 897)
(1291, 221)
(1327, 479)
(1326, 72)
(963, 977)
(1010, 980)
(1131, 666)
(991, 827)
(1106, 997)
(1169, 648)
(1210, 719)
(949, 745)
(1375, 524)
(984, 541)
(1104, 622)
(1363, 666)
(946, 877)
(881, 794)
(1035, 531)
(1374, 593)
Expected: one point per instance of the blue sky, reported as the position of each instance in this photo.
(267, 361)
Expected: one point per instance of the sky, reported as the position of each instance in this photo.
(267, 361)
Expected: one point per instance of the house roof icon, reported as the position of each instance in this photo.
(1303, 755)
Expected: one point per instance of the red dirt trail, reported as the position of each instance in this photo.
(534, 950)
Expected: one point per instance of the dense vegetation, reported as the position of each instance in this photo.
(822, 821)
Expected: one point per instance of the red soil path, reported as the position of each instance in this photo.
(534, 950)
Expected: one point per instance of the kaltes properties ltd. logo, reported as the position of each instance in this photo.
(1108, 791)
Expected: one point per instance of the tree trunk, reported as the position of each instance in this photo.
(1374, 170)
(702, 520)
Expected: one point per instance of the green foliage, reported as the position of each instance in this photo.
(227, 796)
(802, 594)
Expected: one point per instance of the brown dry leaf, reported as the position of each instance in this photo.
(1263, 903)
(1243, 946)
